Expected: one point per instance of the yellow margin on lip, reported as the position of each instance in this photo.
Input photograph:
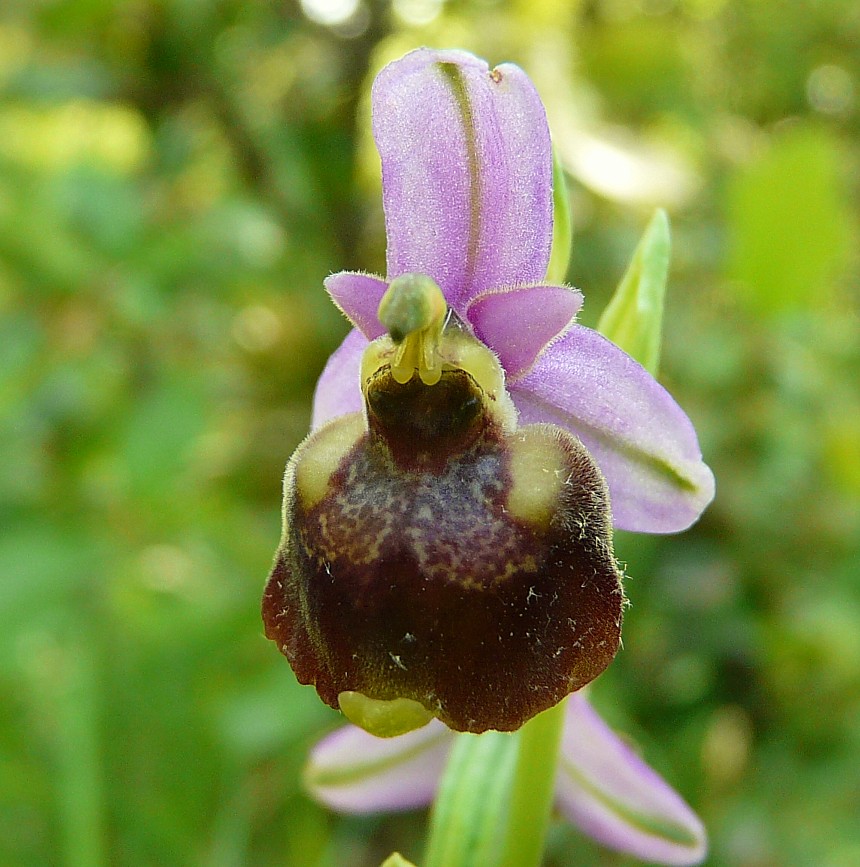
(321, 455)
(537, 468)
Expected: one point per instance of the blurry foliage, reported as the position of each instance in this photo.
(177, 177)
(790, 223)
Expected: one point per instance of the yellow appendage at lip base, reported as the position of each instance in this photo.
(332, 443)
(538, 474)
(384, 719)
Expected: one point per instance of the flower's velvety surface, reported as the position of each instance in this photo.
(467, 169)
(435, 552)
(603, 787)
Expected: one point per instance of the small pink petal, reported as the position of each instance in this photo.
(338, 389)
(354, 772)
(358, 296)
(607, 791)
(518, 322)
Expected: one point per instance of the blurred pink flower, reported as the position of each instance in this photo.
(602, 786)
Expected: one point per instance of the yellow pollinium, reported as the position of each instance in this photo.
(413, 310)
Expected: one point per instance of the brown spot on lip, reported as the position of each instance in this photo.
(495, 75)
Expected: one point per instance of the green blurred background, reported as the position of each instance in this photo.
(176, 179)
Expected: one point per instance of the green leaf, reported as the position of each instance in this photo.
(633, 319)
(562, 234)
(470, 811)
(64, 676)
(533, 788)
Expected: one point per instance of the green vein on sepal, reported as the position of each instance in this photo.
(363, 769)
(453, 75)
(646, 823)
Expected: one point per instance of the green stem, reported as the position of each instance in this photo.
(532, 789)
(470, 808)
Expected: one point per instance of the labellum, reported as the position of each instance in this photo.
(437, 560)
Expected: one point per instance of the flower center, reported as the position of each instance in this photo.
(428, 338)
(413, 310)
(430, 386)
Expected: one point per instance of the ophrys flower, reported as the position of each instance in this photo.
(447, 532)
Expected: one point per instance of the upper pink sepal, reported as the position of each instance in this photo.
(466, 172)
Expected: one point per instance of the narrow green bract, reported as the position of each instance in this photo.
(562, 234)
(395, 859)
(633, 319)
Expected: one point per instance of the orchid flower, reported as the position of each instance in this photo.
(447, 547)
(446, 561)
(467, 189)
(602, 785)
